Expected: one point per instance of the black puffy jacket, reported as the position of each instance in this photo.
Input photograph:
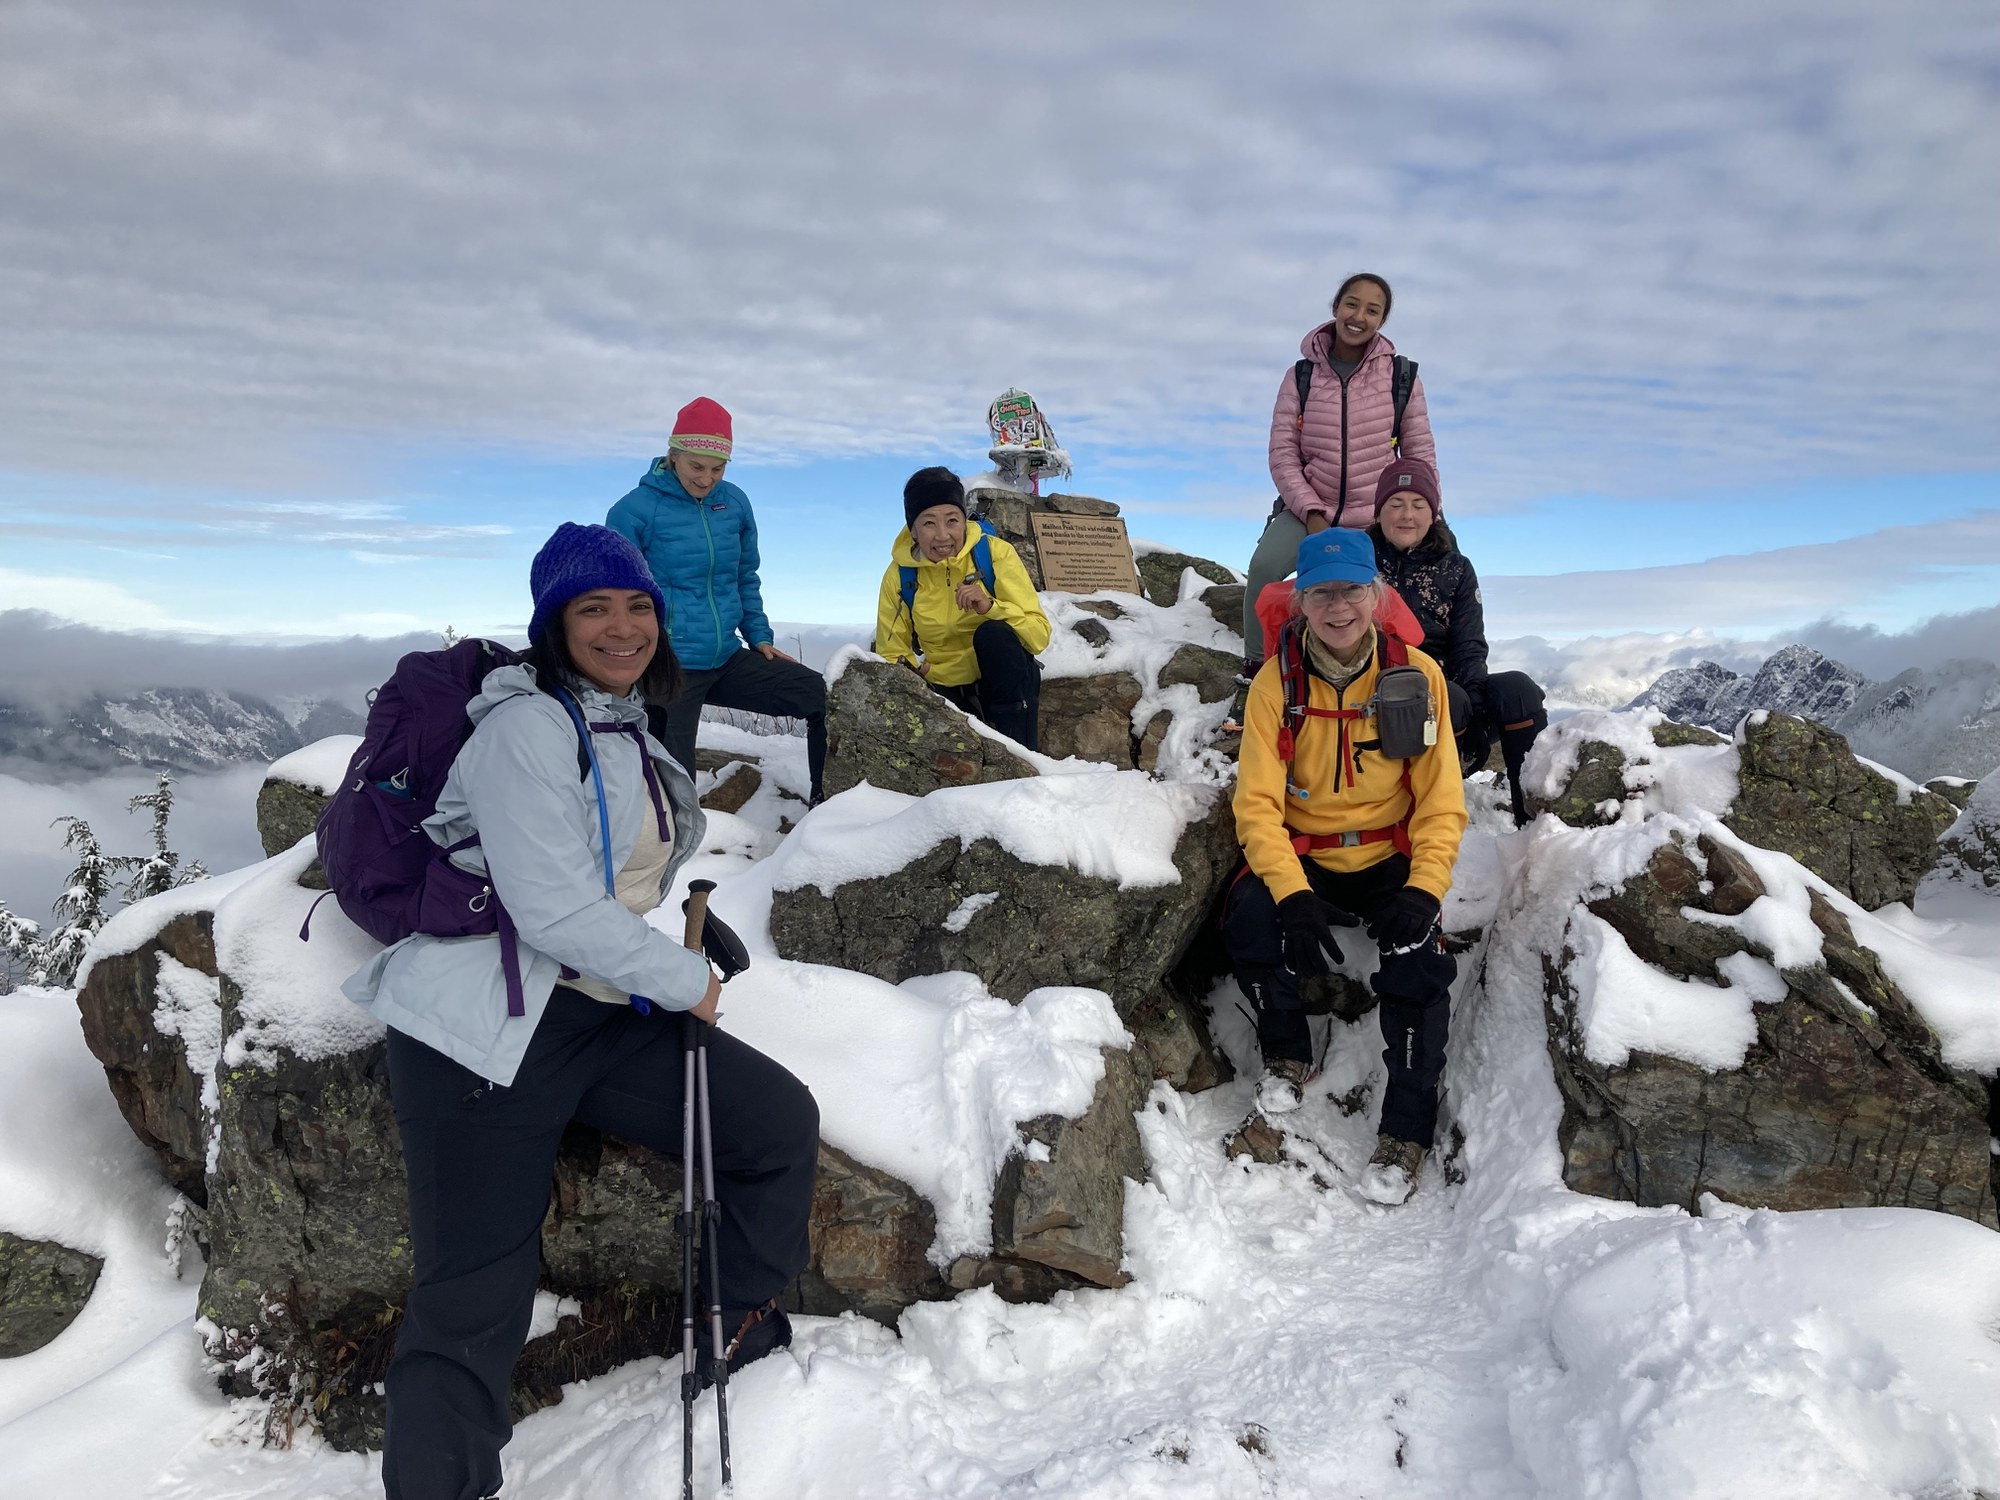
(1437, 581)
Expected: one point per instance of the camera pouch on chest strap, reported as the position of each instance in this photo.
(1404, 714)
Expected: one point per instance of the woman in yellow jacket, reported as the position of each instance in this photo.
(1349, 808)
(958, 607)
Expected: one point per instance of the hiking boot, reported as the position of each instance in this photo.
(752, 1333)
(1250, 667)
(1282, 1089)
(1392, 1172)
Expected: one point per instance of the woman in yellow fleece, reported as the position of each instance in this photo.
(958, 607)
(1349, 808)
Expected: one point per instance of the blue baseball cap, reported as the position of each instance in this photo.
(1336, 555)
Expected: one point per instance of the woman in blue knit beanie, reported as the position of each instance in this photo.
(482, 1096)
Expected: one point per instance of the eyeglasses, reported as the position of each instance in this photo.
(1326, 595)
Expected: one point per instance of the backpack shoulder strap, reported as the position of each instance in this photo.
(1394, 652)
(1292, 679)
(1302, 377)
(982, 556)
(1402, 381)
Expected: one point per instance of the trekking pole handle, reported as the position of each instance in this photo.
(697, 912)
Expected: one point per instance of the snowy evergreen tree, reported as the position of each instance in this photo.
(20, 948)
(159, 871)
(82, 908)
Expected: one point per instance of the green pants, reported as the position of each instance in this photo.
(1276, 557)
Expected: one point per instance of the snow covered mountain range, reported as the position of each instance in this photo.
(1925, 722)
(166, 729)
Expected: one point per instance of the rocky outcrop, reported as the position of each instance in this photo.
(1969, 852)
(1803, 793)
(1800, 791)
(1063, 1205)
(1843, 1096)
(885, 727)
(302, 1206)
(1211, 673)
(1049, 925)
(157, 1088)
(43, 1286)
(286, 813)
(1160, 576)
(1090, 717)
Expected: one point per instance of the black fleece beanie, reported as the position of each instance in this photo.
(928, 487)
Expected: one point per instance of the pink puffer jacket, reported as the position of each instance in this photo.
(1346, 433)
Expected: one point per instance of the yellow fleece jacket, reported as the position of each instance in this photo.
(942, 631)
(1270, 809)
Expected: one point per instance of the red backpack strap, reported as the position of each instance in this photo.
(1292, 679)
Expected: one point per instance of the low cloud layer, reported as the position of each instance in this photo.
(1762, 591)
(46, 662)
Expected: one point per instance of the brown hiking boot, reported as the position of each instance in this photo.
(1282, 1089)
(1392, 1172)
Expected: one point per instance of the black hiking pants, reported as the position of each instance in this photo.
(481, 1159)
(1008, 694)
(1509, 709)
(758, 685)
(1415, 988)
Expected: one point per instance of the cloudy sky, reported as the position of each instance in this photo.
(319, 317)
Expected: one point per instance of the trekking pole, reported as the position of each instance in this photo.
(690, 1384)
(711, 1206)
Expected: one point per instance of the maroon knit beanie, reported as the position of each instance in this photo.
(1408, 475)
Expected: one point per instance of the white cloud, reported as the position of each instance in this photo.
(1637, 249)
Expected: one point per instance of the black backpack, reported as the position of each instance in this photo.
(1402, 380)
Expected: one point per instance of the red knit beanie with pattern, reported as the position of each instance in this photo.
(701, 427)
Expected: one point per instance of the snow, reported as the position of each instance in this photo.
(1499, 1336)
(134, 926)
(291, 997)
(1116, 825)
(318, 767)
(962, 914)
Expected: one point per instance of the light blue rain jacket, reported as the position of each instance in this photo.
(516, 785)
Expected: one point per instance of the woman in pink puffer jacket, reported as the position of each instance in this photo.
(1326, 466)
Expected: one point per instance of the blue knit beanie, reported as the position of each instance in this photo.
(578, 559)
(1336, 555)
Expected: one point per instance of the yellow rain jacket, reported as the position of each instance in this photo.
(942, 632)
(1271, 808)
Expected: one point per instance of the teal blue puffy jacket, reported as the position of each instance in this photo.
(703, 554)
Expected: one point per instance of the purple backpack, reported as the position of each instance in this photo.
(388, 876)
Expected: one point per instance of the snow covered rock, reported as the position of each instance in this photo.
(152, 1018)
(1797, 789)
(265, 1094)
(885, 727)
(1061, 1203)
(1160, 574)
(1096, 880)
(1723, 1016)
(1970, 848)
(296, 790)
(43, 1286)
(1804, 793)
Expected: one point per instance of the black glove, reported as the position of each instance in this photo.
(1307, 925)
(721, 946)
(1405, 920)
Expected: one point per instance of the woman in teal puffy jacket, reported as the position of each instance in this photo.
(700, 539)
